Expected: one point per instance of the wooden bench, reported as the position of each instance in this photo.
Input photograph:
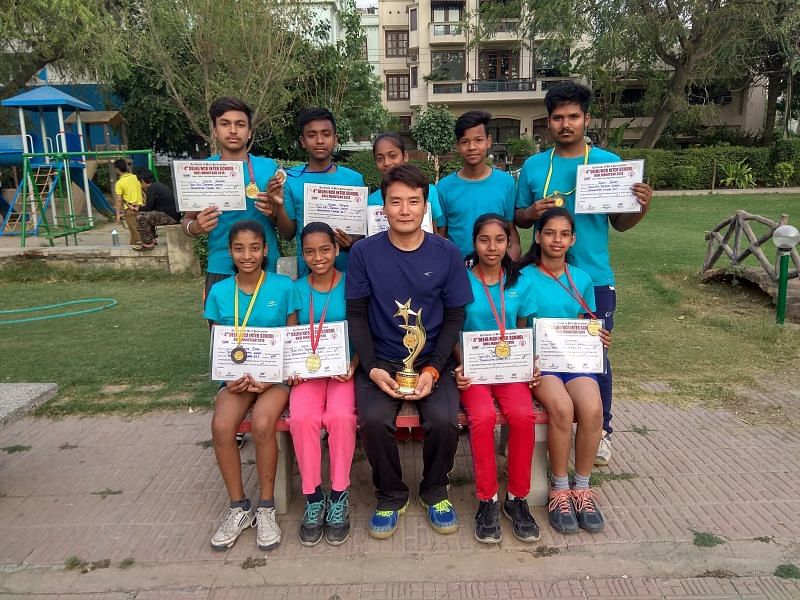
(407, 417)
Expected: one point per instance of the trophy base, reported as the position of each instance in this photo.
(407, 381)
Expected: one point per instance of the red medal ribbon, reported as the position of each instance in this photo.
(572, 292)
(315, 339)
(501, 323)
(250, 170)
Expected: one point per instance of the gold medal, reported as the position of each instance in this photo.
(251, 191)
(558, 200)
(313, 362)
(593, 327)
(502, 349)
(280, 175)
(238, 355)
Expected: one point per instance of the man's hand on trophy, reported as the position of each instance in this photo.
(424, 386)
(385, 382)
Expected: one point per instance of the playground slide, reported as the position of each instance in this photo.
(99, 201)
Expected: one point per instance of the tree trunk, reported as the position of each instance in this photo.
(23, 73)
(677, 91)
(774, 89)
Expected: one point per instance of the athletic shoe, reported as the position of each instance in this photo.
(337, 521)
(522, 522)
(442, 516)
(588, 513)
(235, 521)
(313, 524)
(487, 522)
(603, 451)
(268, 534)
(561, 512)
(383, 523)
(239, 440)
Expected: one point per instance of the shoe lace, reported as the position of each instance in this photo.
(336, 509)
(312, 510)
(585, 500)
(560, 501)
(265, 518)
(230, 521)
(443, 506)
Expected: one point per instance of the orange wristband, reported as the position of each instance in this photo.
(432, 370)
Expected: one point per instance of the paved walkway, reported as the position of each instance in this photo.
(147, 489)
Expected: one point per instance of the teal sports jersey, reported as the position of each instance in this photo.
(464, 200)
(277, 299)
(376, 199)
(337, 310)
(219, 258)
(590, 251)
(520, 303)
(552, 300)
(293, 189)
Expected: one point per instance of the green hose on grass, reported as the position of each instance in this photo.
(109, 303)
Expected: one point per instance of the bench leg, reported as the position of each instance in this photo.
(540, 487)
(283, 477)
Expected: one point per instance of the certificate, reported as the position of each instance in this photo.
(482, 363)
(340, 206)
(263, 354)
(333, 351)
(568, 346)
(376, 220)
(606, 188)
(201, 183)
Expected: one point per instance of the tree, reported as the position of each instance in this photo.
(82, 37)
(434, 132)
(203, 49)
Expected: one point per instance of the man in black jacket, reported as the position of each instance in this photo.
(159, 209)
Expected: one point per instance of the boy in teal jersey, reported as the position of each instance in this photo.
(476, 189)
(317, 129)
(231, 119)
(548, 180)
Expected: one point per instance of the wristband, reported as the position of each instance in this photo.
(434, 373)
(188, 226)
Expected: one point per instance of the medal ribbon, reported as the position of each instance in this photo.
(251, 172)
(305, 170)
(501, 323)
(572, 292)
(240, 330)
(550, 170)
(315, 339)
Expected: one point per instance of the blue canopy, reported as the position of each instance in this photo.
(47, 98)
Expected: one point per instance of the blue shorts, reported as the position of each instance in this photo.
(567, 377)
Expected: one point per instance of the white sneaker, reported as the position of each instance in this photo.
(603, 451)
(235, 521)
(268, 534)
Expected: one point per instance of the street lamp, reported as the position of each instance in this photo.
(785, 237)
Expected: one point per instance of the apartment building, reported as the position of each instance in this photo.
(429, 55)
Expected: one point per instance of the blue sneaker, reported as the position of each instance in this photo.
(442, 516)
(383, 523)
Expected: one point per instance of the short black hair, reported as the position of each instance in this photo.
(145, 175)
(406, 173)
(222, 105)
(568, 92)
(121, 164)
(317, 227)
(314, 113)
(392, 137)
(254, 227)
(472, 119)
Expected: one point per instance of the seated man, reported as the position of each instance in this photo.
(159, 209)
(405, 285)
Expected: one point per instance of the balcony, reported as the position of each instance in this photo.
(505, 30)
(488, 90)
(447, 33)
(501, 85)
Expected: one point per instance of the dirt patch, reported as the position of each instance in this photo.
(114, 389)
(154, 387)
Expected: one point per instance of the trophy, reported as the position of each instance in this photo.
(414, 341)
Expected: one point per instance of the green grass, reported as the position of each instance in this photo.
(15, 449)
(788, 571)
(126, 563)
(706, 540)
(710, 343)
(107, 492)
(598, 478)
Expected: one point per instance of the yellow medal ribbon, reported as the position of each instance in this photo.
(236, 328)
(550, 170)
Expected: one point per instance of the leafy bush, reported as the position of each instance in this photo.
(787, 151)
(363, 162)
(784, 171)
(738, 175)
(200, 247)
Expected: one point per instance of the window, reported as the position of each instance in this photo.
(397, 87)
(414, 77)
(364, 49)
(444, 14)
(551, 62)
(403, 124)
(396, 43)
(499, 64)
(448, 64)
(503, 130)
(412, 19)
